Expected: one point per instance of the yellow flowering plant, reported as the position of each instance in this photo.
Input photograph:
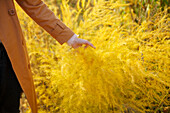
(128, 70)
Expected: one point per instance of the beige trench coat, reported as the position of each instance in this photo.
(14, 42)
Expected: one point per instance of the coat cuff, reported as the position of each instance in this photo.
(61, 32)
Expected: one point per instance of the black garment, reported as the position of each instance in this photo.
(10, 89)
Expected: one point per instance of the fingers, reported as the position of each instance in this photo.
(77, 45)
(89, 44)
(79, 42)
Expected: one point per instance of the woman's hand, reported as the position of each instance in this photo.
(75, 42)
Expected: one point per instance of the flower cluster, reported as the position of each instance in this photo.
(128, 70)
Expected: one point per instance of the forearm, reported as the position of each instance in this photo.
(43, 16)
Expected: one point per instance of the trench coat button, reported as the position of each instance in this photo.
(11, 12)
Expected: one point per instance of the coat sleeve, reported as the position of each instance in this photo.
(44, 17)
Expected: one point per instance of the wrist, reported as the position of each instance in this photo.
(72, 39)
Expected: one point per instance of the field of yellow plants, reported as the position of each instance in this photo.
(129, 71)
